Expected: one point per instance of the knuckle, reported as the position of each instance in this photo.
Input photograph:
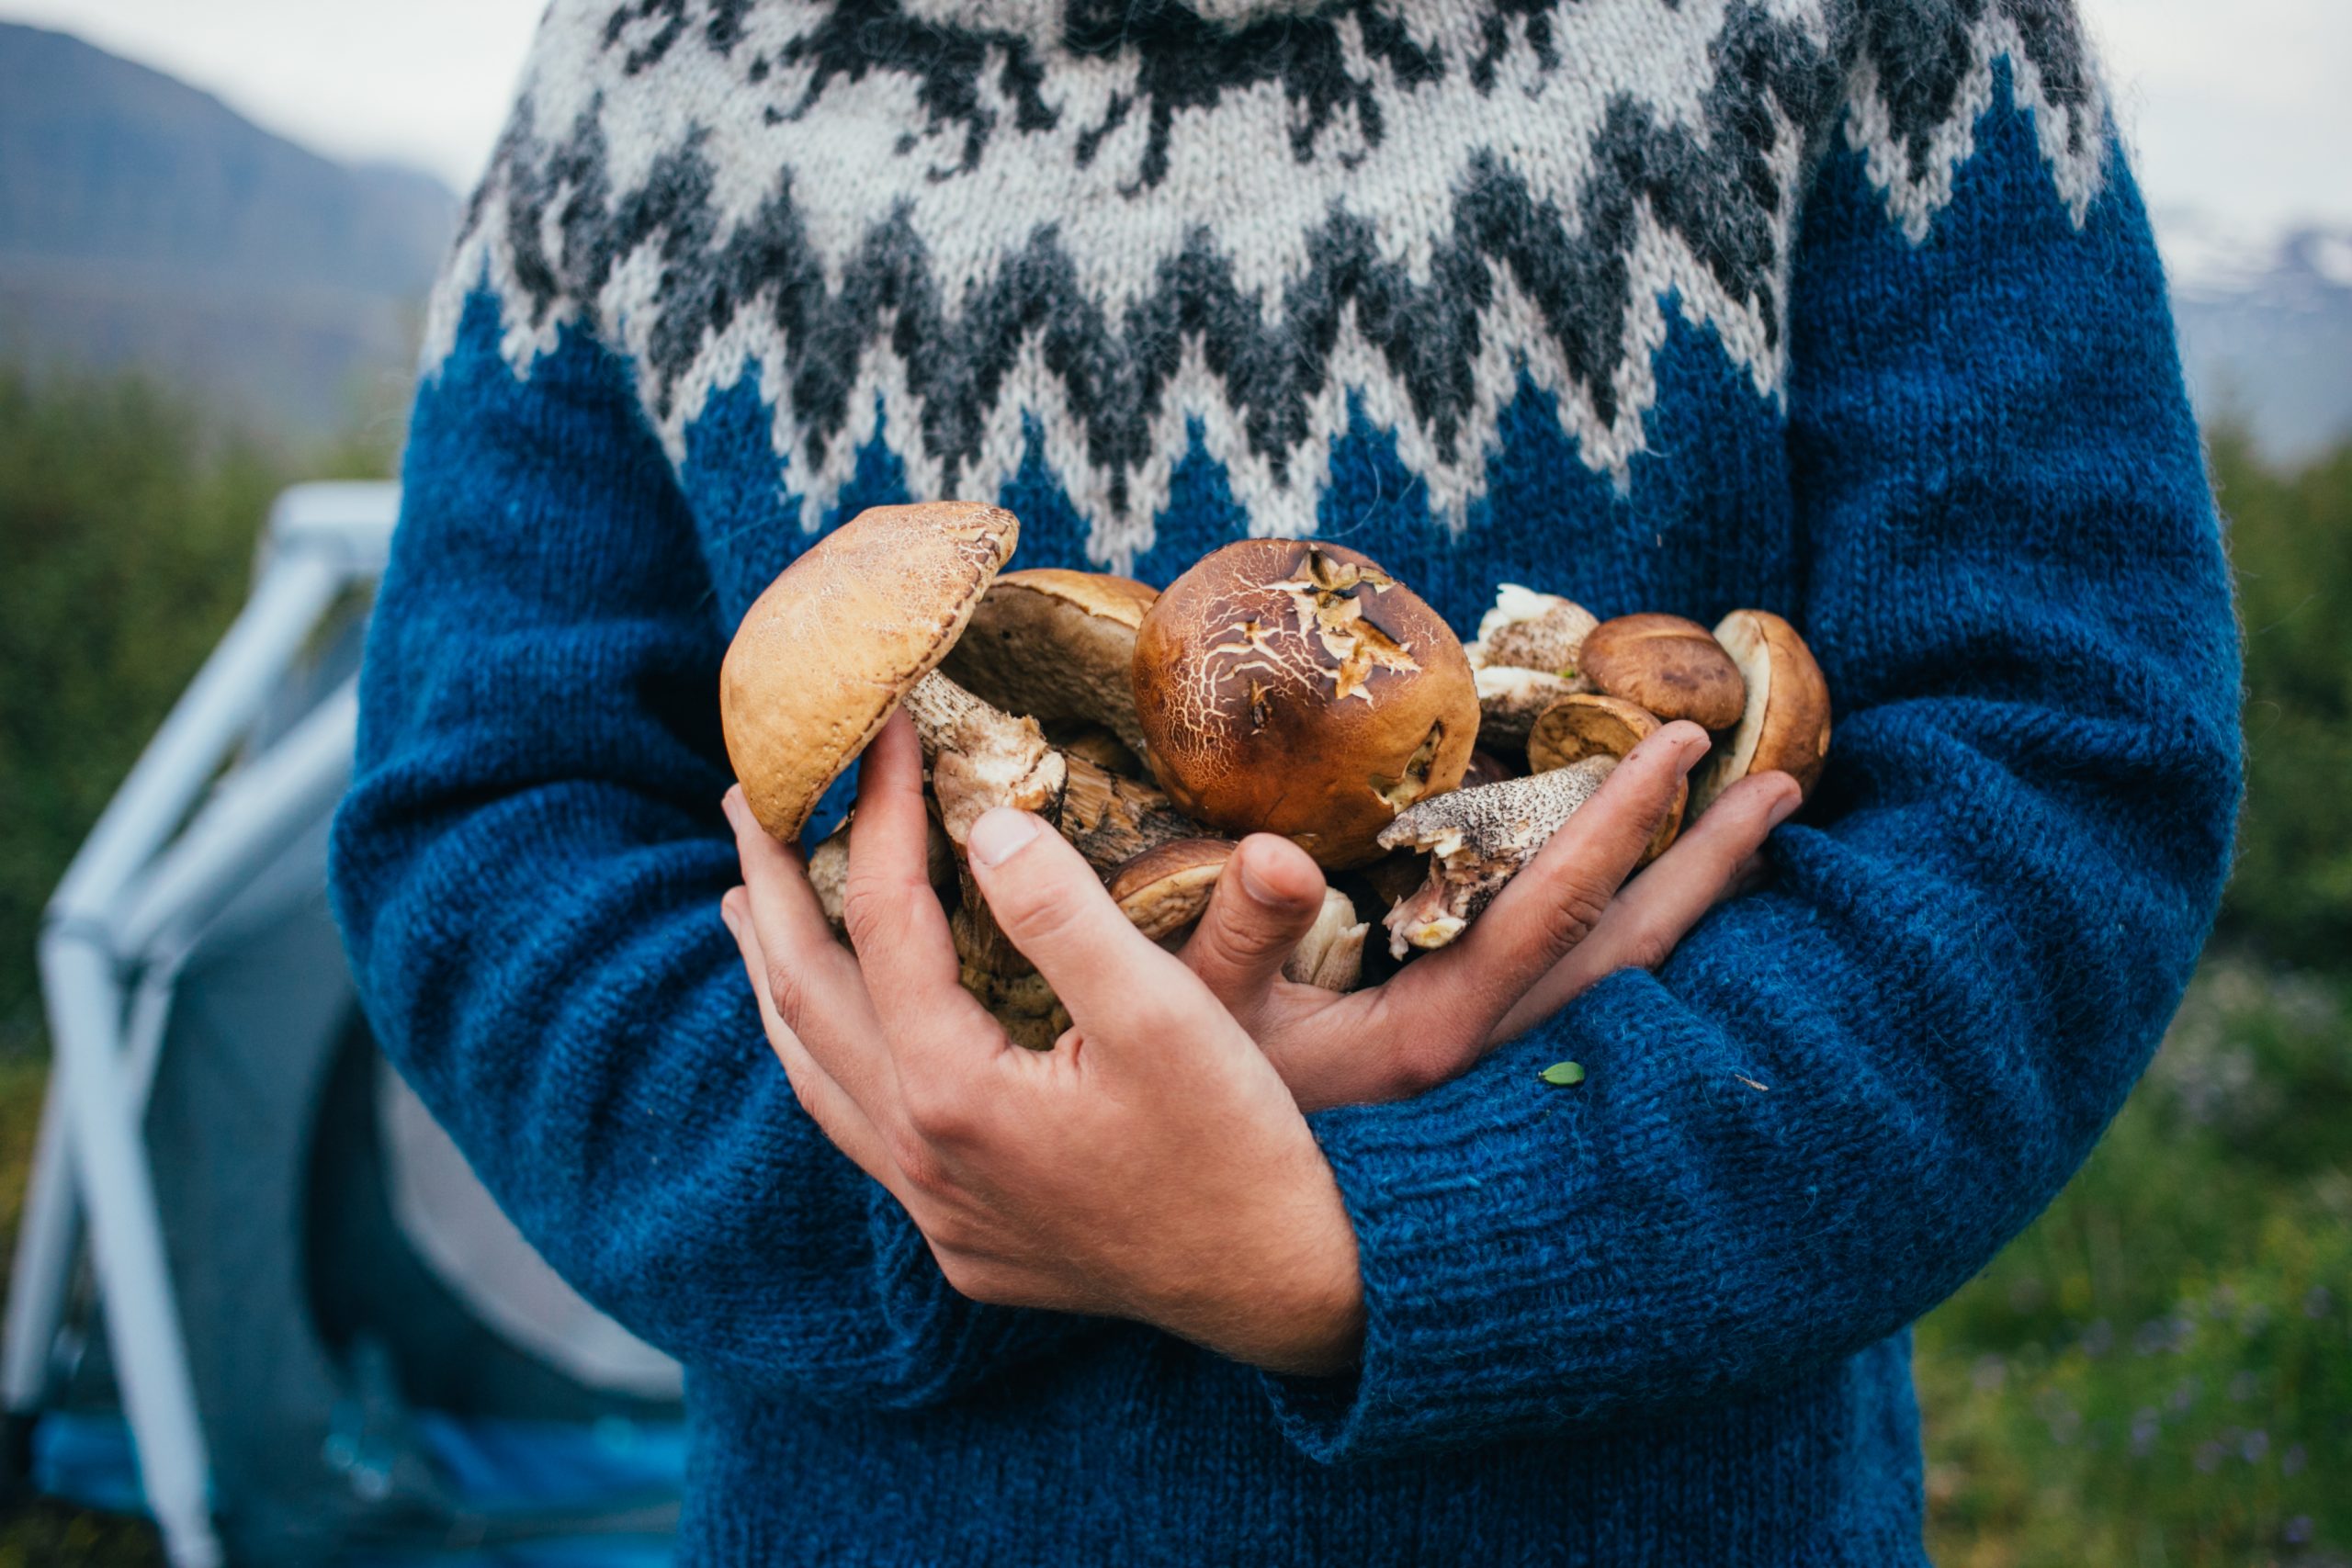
(787, 992)
(869, 910)
(937, 1111)
(916, 1160)
(1575, 906)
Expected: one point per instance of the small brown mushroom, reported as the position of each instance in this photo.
(1511, 699)
(1478, 839)
(1667, 664)
(1057, 646)
(1786, 722)
(1163, 890)
(1529, 630)
(1579, 728)
(1292, 687)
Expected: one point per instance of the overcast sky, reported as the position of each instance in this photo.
(2241, 110)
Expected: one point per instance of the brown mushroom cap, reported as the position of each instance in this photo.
(1666, 664)
(1577, 729)
(1531, 631)
(1054, 646)
(1163, 890)
(1786, 722)
(1292, 687)
(828, 650)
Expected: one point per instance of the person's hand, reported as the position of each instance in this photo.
(1152, 1166)
(1567, 920)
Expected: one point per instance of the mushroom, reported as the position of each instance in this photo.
(1786, 721)
(1057, 646)
(1527, 631)
(1486, 767)
(1331, 953)
(1511, 697)
(1163, 890)
(856, 625)
(1292, 687)
(1667, 664)
(1588, 725)
(1478, 839)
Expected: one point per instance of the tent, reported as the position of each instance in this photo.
(257, 1294)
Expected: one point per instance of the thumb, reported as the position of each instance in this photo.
(1267, 899)
(1053, 906)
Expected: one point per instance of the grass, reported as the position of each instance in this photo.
(2158, 1374)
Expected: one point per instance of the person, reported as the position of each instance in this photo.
(1846, 310)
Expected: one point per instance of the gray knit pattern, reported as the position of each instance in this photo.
(1120, 227)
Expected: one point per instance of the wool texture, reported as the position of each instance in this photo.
(1843, 309)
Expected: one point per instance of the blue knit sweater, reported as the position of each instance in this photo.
(1845, 309)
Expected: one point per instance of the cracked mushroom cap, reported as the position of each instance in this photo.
(840, 636)
(1292, 687)
(1786, 722)
(1057, 646)
(1667, 664)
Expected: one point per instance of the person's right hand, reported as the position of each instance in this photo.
(1568, 919)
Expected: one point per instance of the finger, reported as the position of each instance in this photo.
(1056, 911)
(827, 1103)
(1658, 908)
(1267, 899)
(894, 918)
(812, 983)
(1463, 991)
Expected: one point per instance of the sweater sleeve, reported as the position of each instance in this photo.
(528, 869)
(1842, 1096)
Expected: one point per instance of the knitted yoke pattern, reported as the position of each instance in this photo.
(1844, 309)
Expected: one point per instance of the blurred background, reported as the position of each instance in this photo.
(218, 223)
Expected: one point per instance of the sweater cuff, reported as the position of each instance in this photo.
(1485, 1306)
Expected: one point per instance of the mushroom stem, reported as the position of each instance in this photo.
(1477, 839)
(982, 757)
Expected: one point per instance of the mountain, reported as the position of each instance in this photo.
(143, 223)
(2265, 330)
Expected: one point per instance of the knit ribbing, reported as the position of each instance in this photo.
(1846, 312)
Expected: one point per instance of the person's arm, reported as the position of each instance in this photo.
(529, 871)
(1839, 1098)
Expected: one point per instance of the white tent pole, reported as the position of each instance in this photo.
(47, 1233)
(252, 816)
(127, 1244)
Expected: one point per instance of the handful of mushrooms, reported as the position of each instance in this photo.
(1281, 686)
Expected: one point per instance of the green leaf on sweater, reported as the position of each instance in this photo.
(1563, 1074)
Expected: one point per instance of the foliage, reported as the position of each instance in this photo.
(2290, 539)
(2160, 1371)
(129, 521)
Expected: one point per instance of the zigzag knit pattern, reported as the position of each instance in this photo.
(1845, 309)
(1119, 231)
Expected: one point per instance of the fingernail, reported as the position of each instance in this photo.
(1784, 807)
(1001, 834)
(726, 918)
(1253, 882)
(731, 803)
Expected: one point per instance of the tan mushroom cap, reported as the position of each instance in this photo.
(828, 650)
(1055, 646)
(1786, 722)
(1667, 664)
(1578, 729)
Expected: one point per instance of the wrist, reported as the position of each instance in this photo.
(1291, 1300)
